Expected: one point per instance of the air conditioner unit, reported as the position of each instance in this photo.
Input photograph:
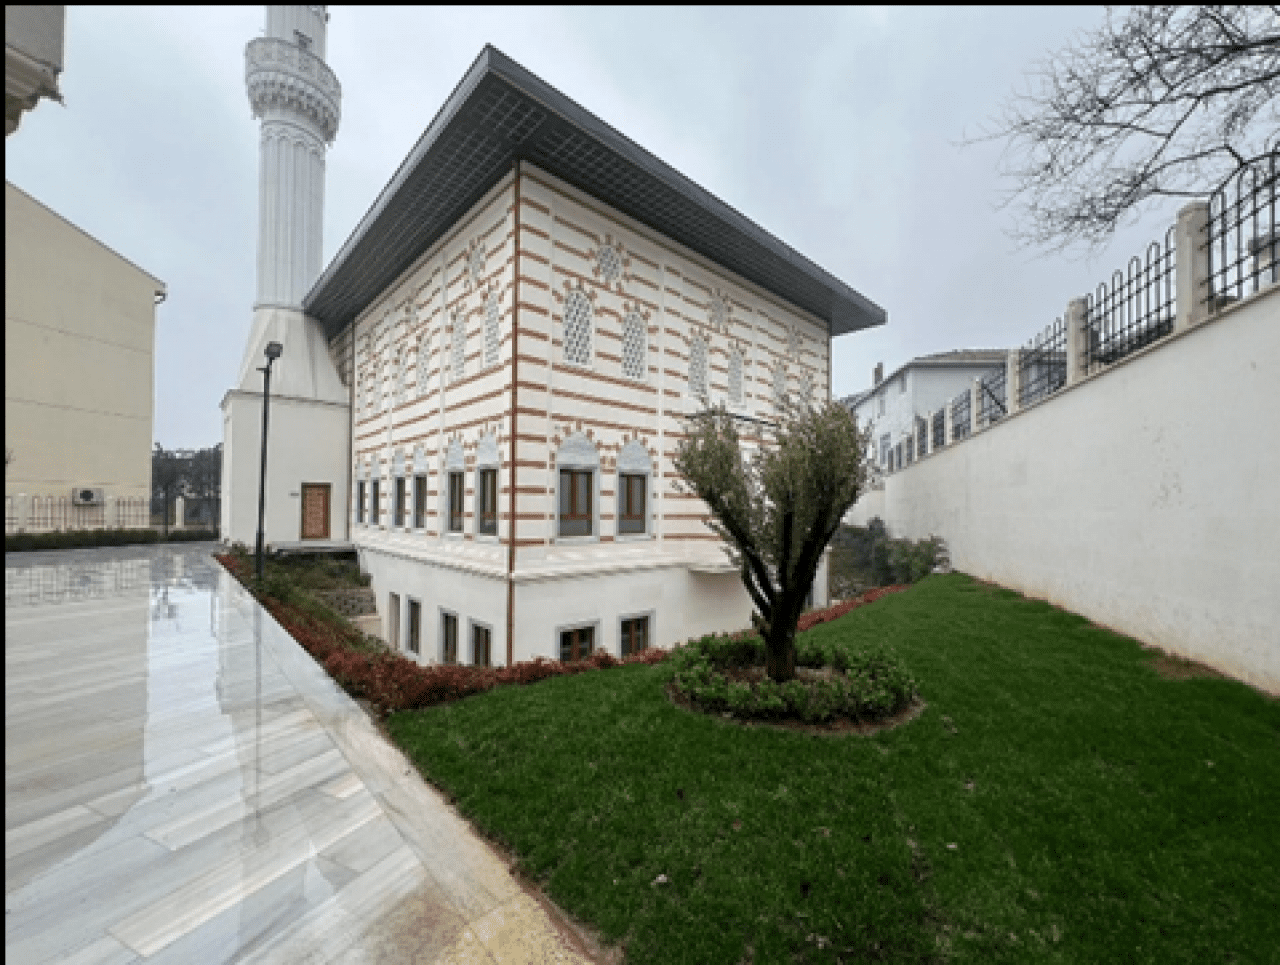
(86, 497)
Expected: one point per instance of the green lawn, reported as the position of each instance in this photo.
(1099, 812)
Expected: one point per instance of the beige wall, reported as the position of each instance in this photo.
(79, 332)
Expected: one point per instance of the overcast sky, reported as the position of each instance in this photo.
(835, 129)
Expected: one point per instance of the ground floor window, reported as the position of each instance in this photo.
(419, 501)
(375, 506)
(397, 509)
(480, 640)
(393, 619)
(360, 496)
(415, 626)
(635, 635)
(577, 644)
(449, 638)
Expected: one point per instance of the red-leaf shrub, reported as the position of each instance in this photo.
(810, 620)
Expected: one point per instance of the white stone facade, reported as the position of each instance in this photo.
(560, 395)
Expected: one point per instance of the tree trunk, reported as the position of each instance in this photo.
(780, 657)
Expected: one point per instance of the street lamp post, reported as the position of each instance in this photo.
(272, 352)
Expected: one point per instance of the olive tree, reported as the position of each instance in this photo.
(776, 509)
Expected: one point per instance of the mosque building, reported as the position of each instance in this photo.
(482, 393)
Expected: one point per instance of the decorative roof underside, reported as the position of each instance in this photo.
(501, 113)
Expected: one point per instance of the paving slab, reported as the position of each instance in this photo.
(184, 784)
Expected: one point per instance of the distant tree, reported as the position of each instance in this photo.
(205, 479)
(1159, 102)
(778, 509)
(168, 474)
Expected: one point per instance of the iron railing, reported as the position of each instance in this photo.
(939, 427)
(960, 415)
(1244, 236)
(993, 401)
(1042, 365)
(30, 585)
(1135, 308)
(922, 436)
(56, 513)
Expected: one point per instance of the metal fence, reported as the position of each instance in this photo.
(56, 583)
(46, 514)
(993, 401)
(1244, 236)
(922, 436)
(939, 429)
(960, 415)
(1042, 365)
(1134, 308)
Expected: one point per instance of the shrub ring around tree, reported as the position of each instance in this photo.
(837, 689)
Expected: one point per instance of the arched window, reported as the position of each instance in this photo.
(491, 331)
(577, 328)
(735, 377)
(633, 346)
(578, 496)
(486, 483)
(698, 368)
(459, 346)
(634, 470)
(424, 361)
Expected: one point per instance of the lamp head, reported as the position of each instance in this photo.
(273, 350)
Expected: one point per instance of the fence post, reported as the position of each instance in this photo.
(1012, 382)
(1191, 252)
(948, 429)
(1077, 322)
(975, 399)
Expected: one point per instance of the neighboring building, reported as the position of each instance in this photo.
(520, 325)
(33, 38)
(893, 406)
(79, 340)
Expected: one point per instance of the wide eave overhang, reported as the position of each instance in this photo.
(501, 113)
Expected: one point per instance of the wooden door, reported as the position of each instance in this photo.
(315, 510)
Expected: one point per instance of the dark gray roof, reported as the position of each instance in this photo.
(501, 113)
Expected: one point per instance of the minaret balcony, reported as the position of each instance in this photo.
(280, 74)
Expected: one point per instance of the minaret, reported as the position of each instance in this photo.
(297, 99)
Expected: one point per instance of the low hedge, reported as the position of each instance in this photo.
(88, 538)
(867, 685)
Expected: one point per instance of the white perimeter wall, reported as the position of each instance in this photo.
(1146, 498)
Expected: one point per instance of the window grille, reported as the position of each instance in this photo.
(779, 386)
(735, 377)
(633, 346)
(609, 262)
(402, 365)
(698, 368)
(424, 362)
(459, 346)
(577, 329)
(718, 312)
(475, 265)
(491, 340)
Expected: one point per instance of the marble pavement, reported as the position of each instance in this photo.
(183, 784)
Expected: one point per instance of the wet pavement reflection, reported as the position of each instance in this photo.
(184, 784)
